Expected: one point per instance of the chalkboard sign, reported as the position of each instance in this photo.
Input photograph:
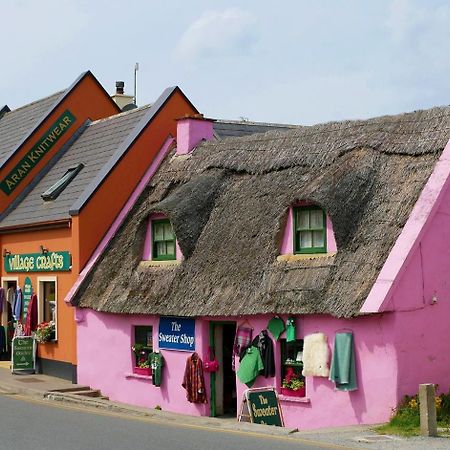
(27, 293)
(264, 407)
(23, 353)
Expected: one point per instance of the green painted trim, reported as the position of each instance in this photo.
(213, 410)
(296, 245)
(155, 257)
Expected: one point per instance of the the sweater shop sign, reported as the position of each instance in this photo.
(176, 333)
(37, 152)
(38, 262)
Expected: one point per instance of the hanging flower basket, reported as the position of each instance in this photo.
(147, 371)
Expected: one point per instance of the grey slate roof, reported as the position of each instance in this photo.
(238, 128)
(17, 124)
(94, 148)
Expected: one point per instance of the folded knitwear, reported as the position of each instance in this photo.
(315, 356)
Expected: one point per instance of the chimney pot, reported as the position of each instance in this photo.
(120, 85)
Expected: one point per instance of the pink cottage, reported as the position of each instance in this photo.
(329, 245)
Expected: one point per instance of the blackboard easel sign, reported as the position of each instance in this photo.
(23, 355)
(263, 407)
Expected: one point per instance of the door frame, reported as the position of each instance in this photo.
(212, 377)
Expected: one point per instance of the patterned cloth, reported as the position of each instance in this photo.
(193, 380)
(242, 340)
(17, 307)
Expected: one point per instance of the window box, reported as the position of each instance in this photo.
(145, 371)
(291, 393)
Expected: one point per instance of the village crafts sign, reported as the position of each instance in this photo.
(176, 333)
(38, 262)
(37, 152)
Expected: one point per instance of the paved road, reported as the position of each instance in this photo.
(37, 425)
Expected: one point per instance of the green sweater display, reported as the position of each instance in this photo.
(156, 362)
(250, 366)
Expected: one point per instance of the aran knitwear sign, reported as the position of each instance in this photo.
(37, 152)
(176, 333)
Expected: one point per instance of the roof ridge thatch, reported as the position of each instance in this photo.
(228, 203)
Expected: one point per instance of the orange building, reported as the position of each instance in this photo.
(62, 184)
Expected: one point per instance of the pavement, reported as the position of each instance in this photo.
(55, 390)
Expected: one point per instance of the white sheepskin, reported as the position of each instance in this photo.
(316, 355)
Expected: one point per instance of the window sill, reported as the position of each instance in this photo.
(301, 256)
(166, 263)
(288, 398)
(137, 376)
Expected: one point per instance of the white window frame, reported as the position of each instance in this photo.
(40, 281)
(4, 317)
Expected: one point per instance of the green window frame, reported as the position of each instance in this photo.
(310, 230)
(163, 240)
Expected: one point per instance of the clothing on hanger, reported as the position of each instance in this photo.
(315, 355)
(250, 366)
(32, 319)
(276, 327)
(2, 299)
(17, 307)
(343, 367)
(242, 340)
(265, 347)
(156, 362)
(193, 380)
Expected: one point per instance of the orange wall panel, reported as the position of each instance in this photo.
(55, 240)
(99, 213)
(86, 101)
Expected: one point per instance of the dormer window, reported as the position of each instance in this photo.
(310, 231)
(163, 240)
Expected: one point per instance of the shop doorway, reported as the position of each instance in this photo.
(223, 382)
(6, 318)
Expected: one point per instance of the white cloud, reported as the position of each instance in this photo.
(217, 34)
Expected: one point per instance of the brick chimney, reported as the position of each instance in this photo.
(191, 130)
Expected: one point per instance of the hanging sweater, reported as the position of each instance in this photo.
(265, 345)
(17, 307)
(193, 380)
(31, 320)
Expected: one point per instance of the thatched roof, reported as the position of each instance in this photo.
(228, 204)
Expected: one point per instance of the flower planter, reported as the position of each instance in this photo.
(298, 393)
(147, 371)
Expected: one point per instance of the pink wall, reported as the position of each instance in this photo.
(287, 244)
(421, 297)
(104, 342)
(105, 357)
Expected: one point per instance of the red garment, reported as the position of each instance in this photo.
(32, 319)
(193, 380)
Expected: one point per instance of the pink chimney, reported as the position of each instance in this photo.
(191, 130)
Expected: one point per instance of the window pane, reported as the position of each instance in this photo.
(159, 232)
(305, 239)
(318, 239)
(303, 220)
(317, 218)
(170, 247)
(168, 233)
(160, 248)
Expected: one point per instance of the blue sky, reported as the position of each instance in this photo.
(291, 61)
